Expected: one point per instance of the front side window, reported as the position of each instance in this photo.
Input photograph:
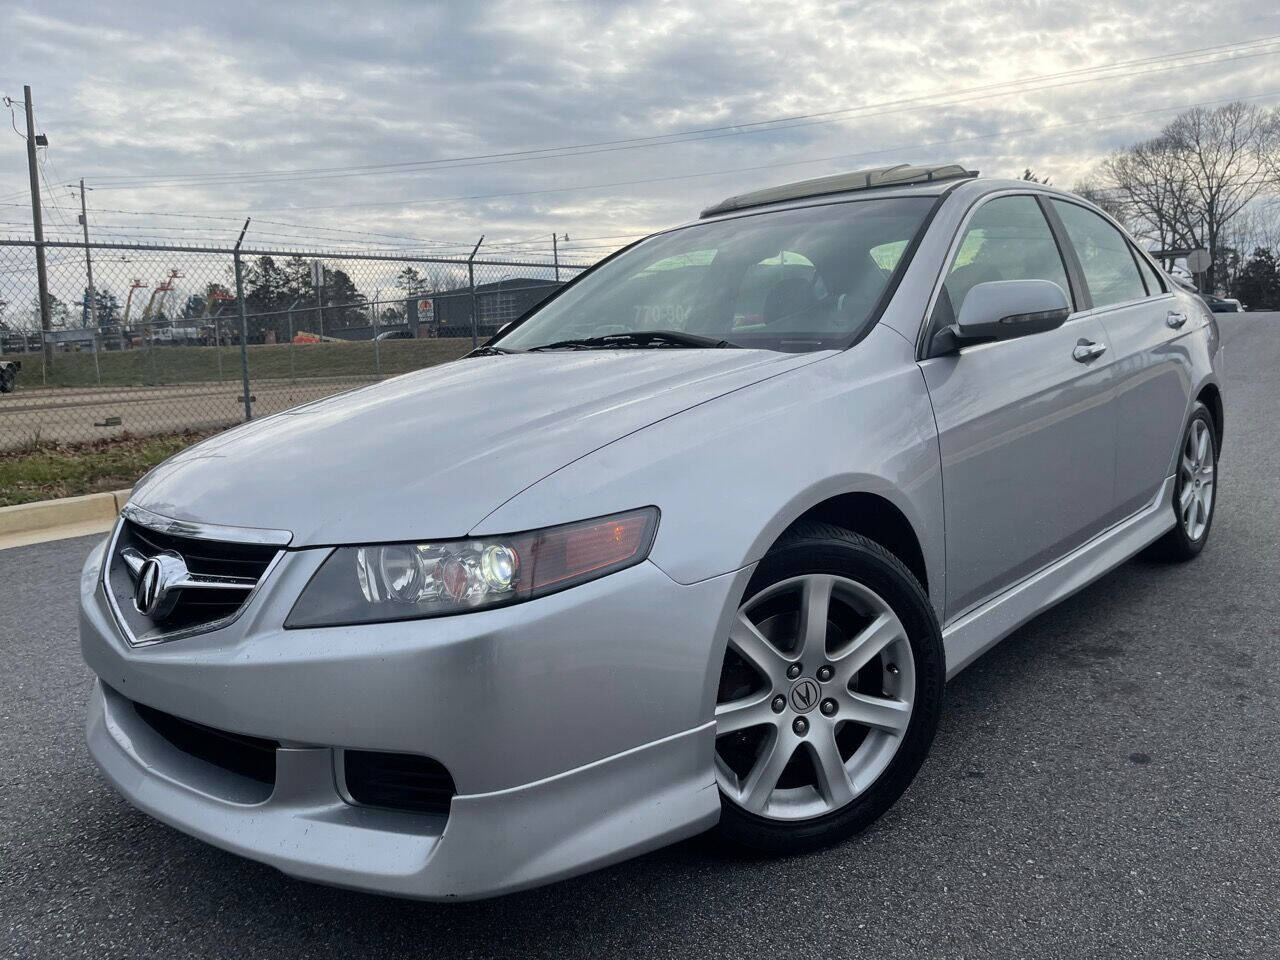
(795, 280)
(1108, 264)
(1007, 239)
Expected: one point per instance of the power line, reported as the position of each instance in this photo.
(753, 168)
(1216, 53)
(775, 165)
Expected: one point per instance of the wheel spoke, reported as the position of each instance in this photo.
(752, 711)
(815, 606)
(763, 777)
(833, 777)
(1202, 442)
(1189, 466)
(747, 639)
(866, 645)
(879, 713)
(1186, 500)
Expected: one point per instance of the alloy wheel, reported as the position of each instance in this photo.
(1195, 500)
(815, 697)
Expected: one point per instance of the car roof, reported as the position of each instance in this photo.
(872, 178)
(967, 186)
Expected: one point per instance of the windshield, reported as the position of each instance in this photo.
(795, 280)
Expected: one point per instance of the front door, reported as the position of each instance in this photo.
(1026, 430)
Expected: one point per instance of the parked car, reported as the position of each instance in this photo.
(1222, 304)
(694, 544)
(395, 335)
(9, 375)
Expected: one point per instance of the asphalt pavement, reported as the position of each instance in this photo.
(1105, 783)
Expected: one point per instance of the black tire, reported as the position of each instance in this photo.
(1177, 546)
(6, 381)
(821, 548)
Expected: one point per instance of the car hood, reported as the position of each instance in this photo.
(431, 453)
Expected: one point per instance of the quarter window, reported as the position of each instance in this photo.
(1007, 239)
(1108, 264)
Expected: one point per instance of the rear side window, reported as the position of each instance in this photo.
(1108, 264)
(1007, 239)
(1154, 286)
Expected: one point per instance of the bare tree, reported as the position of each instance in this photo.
(1222, 156)
(1113, 201)
(1149, 178)
(440, 278)
(1185, 187)
(1271, 148)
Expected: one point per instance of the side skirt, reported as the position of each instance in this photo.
(971, 635)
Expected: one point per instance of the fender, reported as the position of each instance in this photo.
(731, 474)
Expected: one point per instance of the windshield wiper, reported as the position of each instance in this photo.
(637, 339)
(488, 351)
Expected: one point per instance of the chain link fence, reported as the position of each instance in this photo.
(165, 340)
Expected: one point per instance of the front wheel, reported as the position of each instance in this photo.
(829, 694)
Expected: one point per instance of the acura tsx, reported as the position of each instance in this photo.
(695, 543)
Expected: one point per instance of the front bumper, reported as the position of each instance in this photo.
(577, 729)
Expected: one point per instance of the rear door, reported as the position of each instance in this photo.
(1026, 431)
(1144, 325)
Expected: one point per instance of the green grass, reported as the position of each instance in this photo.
(44, 471)
(168, 365)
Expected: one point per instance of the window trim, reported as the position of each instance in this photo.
(953, 249)
(1129, 244)
(1144, 261)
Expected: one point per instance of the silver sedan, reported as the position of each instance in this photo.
(694, 544)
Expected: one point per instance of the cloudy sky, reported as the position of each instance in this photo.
(430, 123)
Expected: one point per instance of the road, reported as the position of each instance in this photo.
(81, 413)
(1105, 783)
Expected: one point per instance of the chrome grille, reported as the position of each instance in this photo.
(167, 579)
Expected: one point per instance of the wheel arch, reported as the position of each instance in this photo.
(879, 510)
(876, 518)
(1211, 396)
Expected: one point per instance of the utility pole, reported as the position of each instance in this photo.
(88, 261)
(317, 282)
(37, 226)
(555, 255)
(244, 328)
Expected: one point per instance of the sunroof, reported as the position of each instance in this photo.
(895, 176)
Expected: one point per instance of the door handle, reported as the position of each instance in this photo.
(1175, 320)
(1087, 350)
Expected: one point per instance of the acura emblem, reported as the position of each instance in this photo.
(804, 695)
(158, 583)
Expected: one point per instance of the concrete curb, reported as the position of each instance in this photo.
(28, 523)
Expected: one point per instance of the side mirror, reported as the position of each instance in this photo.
(1004, 309)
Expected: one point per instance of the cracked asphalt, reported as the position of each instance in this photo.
(1105, 783)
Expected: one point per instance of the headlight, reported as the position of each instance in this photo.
(405, 581)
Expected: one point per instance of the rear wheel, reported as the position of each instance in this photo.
(829, 694)
(1195, 492)
(7, 378)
